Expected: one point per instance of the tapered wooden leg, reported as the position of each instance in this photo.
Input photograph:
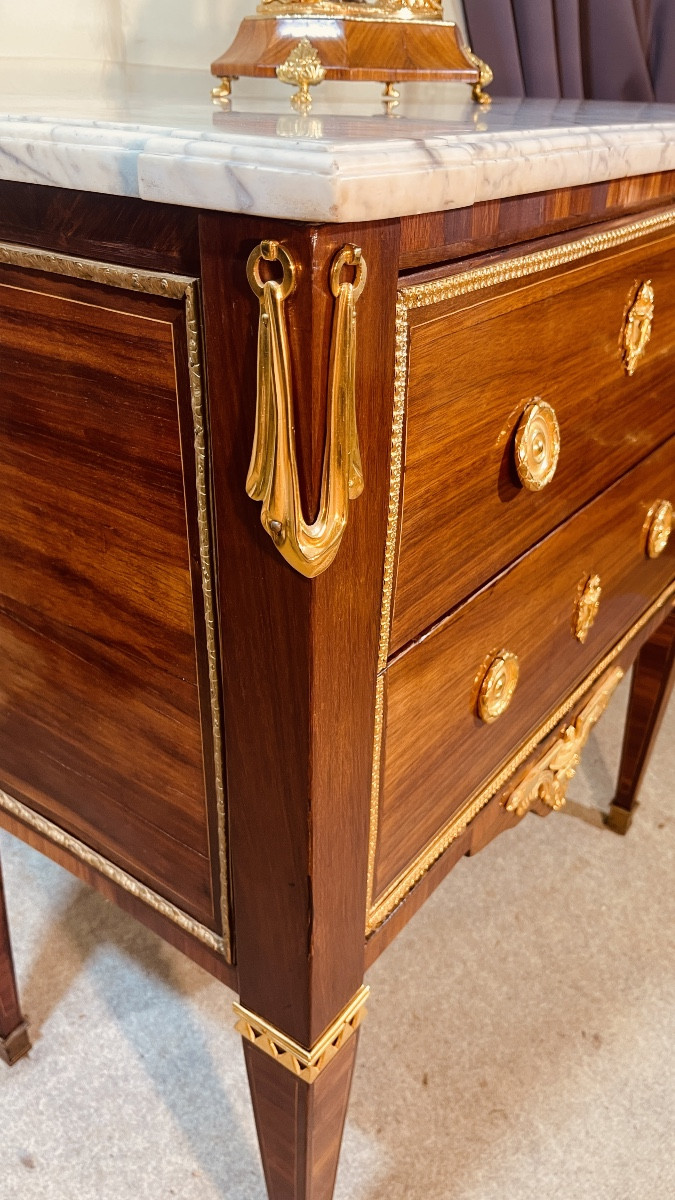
(14, 1040)
(300, 1124)
(653, 678)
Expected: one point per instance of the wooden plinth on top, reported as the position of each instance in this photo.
(356, 48)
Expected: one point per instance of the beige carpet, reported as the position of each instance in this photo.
(520, 1043)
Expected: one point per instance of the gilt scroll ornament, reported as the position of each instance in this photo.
(637, 329)
(587, 607)
(485, 78)
(660, 522)
(550, 777)
(405, 10)
(302, 69)
(273, 476)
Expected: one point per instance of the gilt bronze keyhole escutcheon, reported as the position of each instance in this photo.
(637, 329)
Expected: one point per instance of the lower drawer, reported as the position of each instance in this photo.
(452, 715)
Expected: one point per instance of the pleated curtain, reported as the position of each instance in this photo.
(571, 49)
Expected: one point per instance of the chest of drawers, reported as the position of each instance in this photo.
(268, 724)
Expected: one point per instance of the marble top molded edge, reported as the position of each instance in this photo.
(155, 134)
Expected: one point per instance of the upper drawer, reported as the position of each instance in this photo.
(483, 345)
(452, 714)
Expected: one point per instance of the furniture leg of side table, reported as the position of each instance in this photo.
(14, 1039)
(300, 1124)
(653, 679)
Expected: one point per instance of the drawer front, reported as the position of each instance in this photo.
(106, 730)
(437, 752)
(476, 365)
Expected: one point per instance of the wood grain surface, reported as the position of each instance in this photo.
(437, 750)
(493, 819)
(101, 727)
(357, 50)
(300, 1125)
(211, 959)
(300, 655)
(475, 363)
(437, 237)
(115, 229)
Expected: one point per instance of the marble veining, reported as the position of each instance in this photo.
(154, 133)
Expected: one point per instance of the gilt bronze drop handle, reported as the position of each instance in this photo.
(273, 477)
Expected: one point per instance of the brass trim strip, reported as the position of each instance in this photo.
(174, 287)
(306, 1064)
(436, 290)
(152, 282)
(391, 898)
(395, 477)
(202, 463)
(95, 860)
(428, 12)
(422, 296)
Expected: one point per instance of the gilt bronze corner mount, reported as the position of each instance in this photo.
(305, 1064)
(273, 476)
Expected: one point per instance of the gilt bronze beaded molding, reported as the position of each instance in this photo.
(91, 858)
(185, 288)
(305, 1064)
(424, 295)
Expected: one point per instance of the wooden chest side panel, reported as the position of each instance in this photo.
(100, 723)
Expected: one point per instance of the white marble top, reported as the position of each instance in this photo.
(154, 133)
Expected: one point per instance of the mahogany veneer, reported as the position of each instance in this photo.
(255, 763)
(492, 224)
(357, 49)
(508, 346)
(101, 727)
(437, 749)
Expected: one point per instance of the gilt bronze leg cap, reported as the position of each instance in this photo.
(619, 819)
(15, 1045)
